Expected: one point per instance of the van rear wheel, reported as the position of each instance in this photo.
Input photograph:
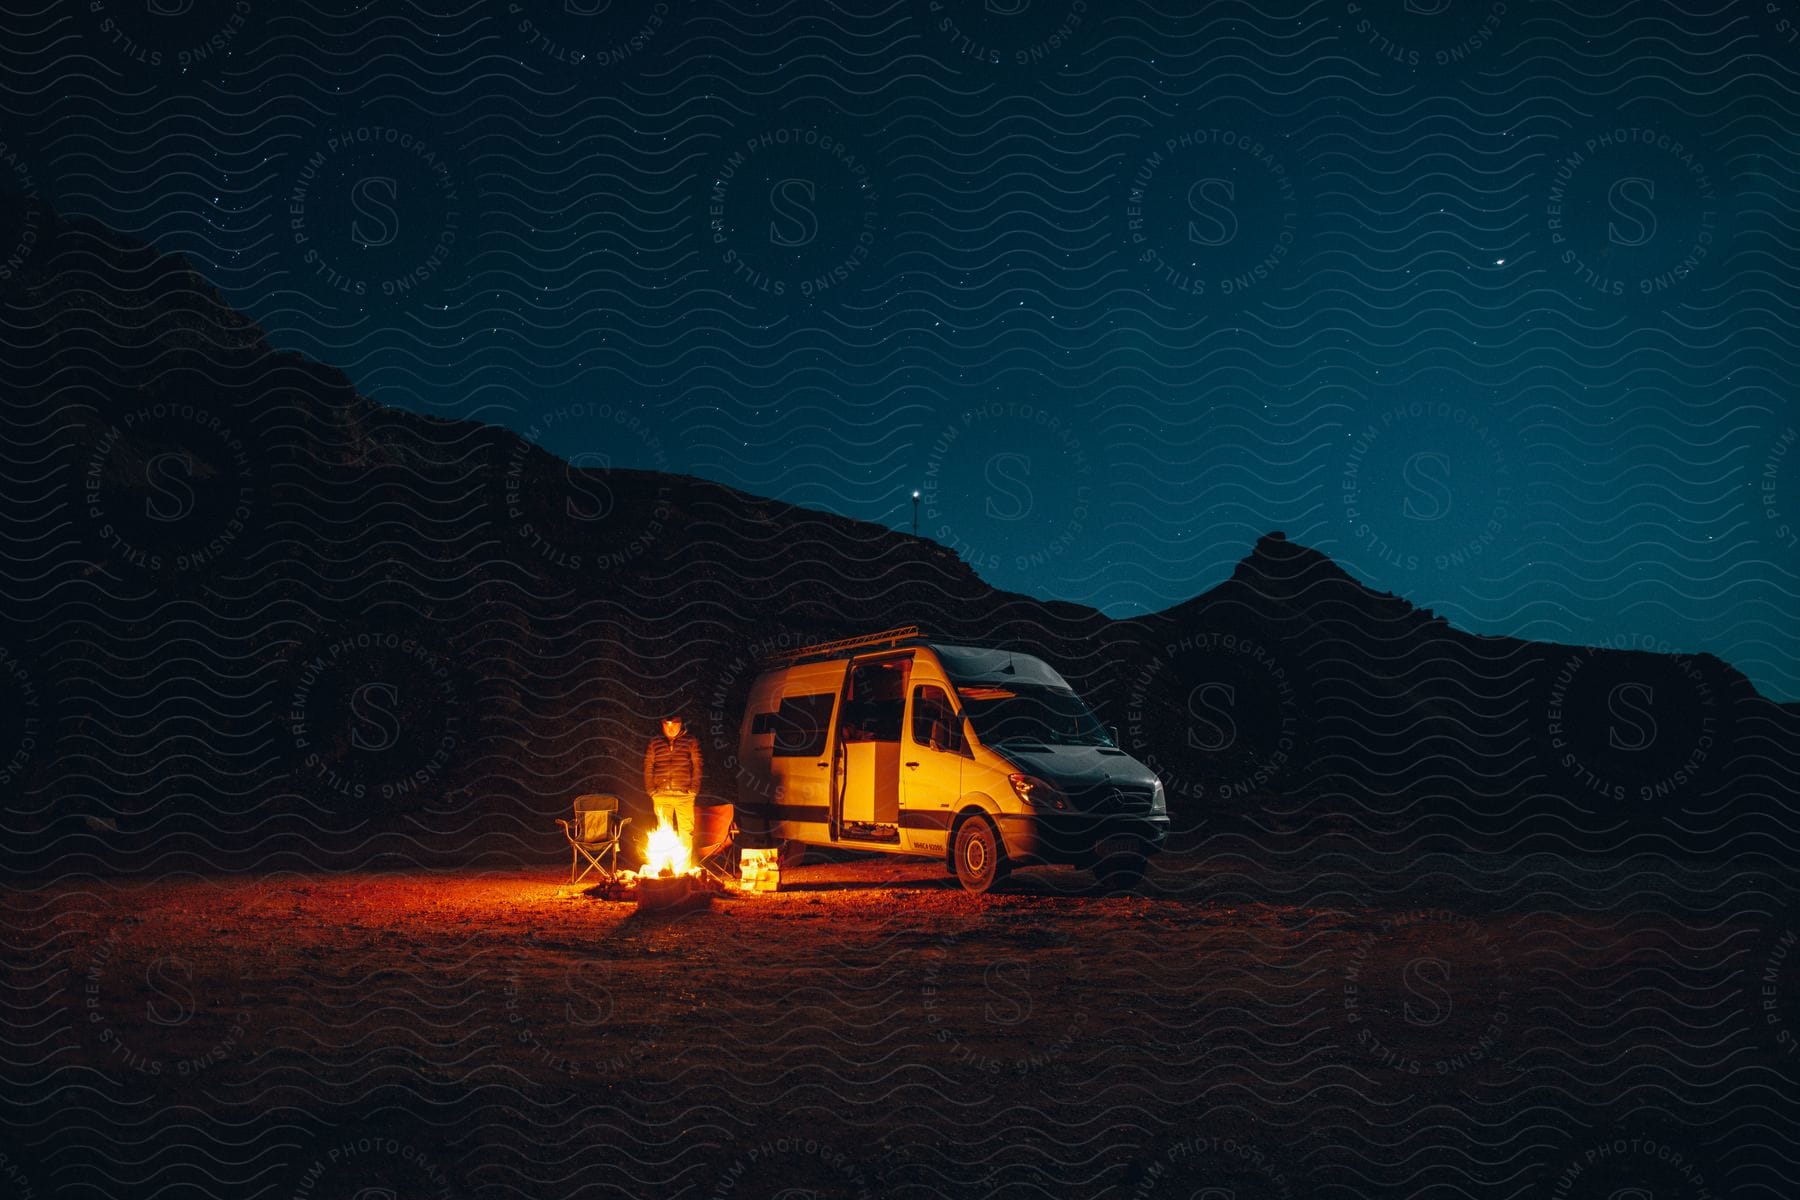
(978, 864)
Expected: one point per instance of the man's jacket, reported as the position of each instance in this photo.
(672, 766)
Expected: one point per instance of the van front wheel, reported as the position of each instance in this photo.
(978, 865)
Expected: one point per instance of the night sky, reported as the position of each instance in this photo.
(1492, 302)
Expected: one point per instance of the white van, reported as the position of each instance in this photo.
(986, 759)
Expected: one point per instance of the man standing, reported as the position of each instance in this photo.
(672, 776)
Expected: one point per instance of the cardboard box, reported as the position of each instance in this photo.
(759, 870)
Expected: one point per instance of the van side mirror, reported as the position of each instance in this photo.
(1112, 731)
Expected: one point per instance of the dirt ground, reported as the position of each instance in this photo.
(1308, 1028)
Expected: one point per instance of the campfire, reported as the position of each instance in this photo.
(669, 879)
(665, 854)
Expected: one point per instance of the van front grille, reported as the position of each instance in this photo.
(1109, 798)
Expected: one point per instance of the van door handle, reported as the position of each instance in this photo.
(823, 764)
(913, 765)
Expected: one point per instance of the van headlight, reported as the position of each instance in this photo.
(1159, 800)
(1036, 793)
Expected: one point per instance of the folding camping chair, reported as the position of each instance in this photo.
(715, 841)
(596, 831)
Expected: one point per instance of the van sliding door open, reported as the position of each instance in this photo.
(786, 752)
(873, 707)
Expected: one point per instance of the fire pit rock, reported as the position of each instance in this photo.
(672, 893)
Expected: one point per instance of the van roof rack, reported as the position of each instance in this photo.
(887, 637)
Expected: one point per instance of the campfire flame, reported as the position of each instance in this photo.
(665, 853)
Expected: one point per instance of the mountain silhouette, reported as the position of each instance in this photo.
(253, 618)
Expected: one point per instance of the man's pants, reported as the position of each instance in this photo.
(677, 809)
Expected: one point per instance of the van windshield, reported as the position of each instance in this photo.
(1020, 712)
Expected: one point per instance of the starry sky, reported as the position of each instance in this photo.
(1491, 301)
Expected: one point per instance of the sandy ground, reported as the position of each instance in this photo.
(871, 1030)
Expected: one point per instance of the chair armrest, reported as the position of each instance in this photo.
(623, 822)
(568, 828)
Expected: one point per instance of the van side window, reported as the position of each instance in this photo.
(934, 722)
(800, 725)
